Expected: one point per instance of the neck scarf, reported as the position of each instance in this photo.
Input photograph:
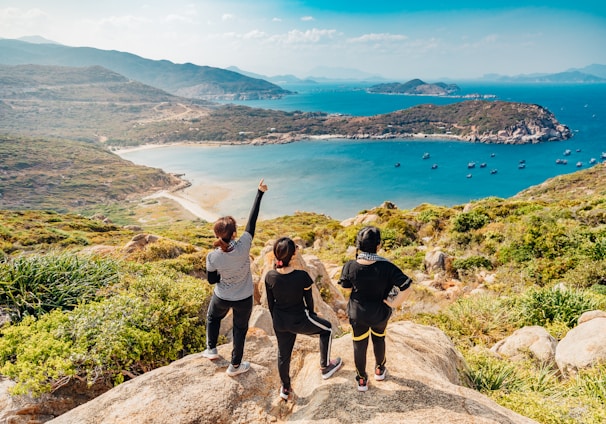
(370, 256)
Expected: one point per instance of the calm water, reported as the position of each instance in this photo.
(339, 178)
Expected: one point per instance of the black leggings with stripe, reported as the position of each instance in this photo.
(287, 328)
(361, 334)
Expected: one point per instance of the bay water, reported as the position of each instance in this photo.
(340, 178)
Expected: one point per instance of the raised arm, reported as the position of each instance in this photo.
(254, 212)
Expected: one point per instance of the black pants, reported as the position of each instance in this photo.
(361, 333)
(217, 309)
(287, 328)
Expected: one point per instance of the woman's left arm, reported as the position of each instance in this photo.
(254, 212)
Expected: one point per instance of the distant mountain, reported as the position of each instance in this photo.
(36, 39)
(329, 73)
(573, 76)
(415, 87)
(277, 79)
(186, 80)
(594, 69)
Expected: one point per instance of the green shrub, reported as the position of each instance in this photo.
(152, 320)
(34, 285)
(467, 221)
(482, 319)
(472, 262)
(541, 306)
(489, 373)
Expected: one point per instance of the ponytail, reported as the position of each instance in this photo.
(224, 229)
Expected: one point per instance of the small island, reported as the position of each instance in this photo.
(415, 87)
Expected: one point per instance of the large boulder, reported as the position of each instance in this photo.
(423, 385)
(533, 341)
(582, 347)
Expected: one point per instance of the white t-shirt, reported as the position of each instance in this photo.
(234, 268)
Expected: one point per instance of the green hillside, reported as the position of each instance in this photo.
(203, 82)
(65, 175)
(97, 104)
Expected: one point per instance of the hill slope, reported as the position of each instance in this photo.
(65, 175)
(94, 103)
(188, 80)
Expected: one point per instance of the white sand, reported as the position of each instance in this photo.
(187, 203)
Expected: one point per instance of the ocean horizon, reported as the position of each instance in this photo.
(340, 178)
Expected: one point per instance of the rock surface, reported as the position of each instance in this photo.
(422, 386)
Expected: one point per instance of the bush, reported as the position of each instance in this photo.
(472, 262)
(152, 320)
(546, 305)
(36, 285)
(482, 319)
(467, 221)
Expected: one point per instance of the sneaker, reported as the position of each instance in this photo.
(380, 372)
(211, 353)
(331, 368)
(362, 384)
(242, 368)
(285, 393)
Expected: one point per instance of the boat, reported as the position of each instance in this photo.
(561, 161)
(493, 171)
(578, 150)
(521, 166)
(469, 175)
(434, 166)
(579, 164)
(483, 165)
(567, 152)
(522, 161)
(603, 156)
(425, 155)
(471, 165)
(592, 161)
(492, 155)
(397, 165)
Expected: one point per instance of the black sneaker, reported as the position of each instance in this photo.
(380, 372)
(362, 383)
(332, 367)
(285, 393)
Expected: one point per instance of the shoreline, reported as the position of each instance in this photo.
(190, 204)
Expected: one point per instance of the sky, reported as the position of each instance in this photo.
(396, 39)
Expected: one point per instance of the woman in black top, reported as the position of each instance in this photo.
(371, 278)
(291, 305)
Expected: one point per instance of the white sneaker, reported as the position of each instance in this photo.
(211, 353)
(232, 371)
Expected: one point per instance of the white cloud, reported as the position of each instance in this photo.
(254, 34)
(177, 18)
(276, 20)
(377, 37)
(307, 18)
(125, 21)
(310, 36)
(227, 17)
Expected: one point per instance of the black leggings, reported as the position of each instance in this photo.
(217, 310)
(286, 334)
(361, 334)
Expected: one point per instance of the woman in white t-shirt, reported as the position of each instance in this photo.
(228, 266)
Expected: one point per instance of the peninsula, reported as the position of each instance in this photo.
(96, 104)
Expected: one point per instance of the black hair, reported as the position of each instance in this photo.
(284, 249)
(368, 239)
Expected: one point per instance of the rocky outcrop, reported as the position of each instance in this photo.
(583, 346)
(533, 341)
(423, 385)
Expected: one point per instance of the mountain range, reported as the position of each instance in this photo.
(186, 80)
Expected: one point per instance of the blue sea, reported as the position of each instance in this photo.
(340, 178)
